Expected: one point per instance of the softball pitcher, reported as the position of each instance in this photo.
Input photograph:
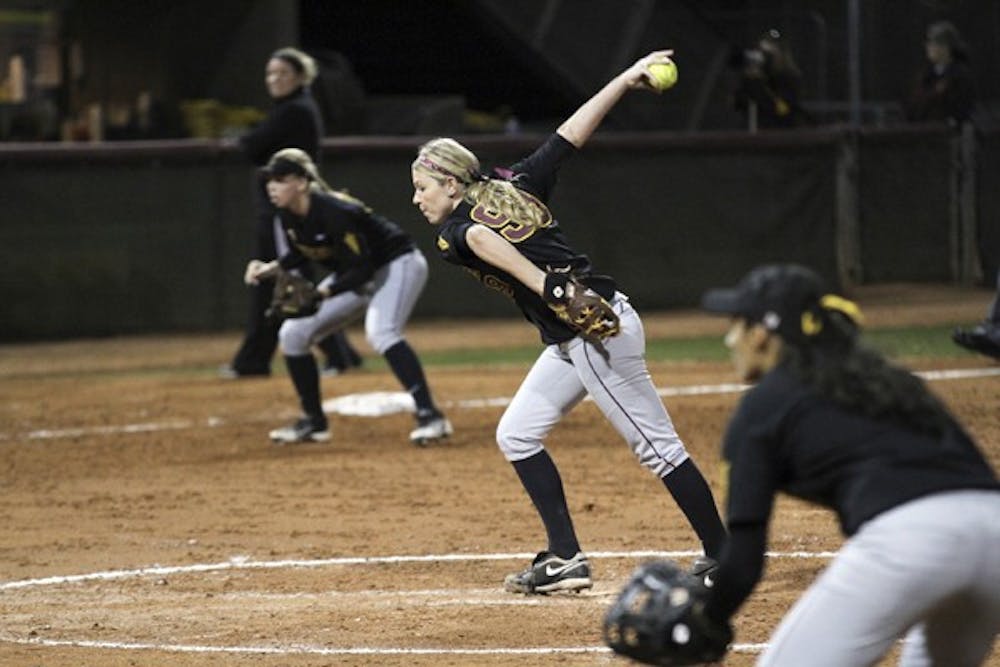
(501, 230)
(833, 423)
(377, 271)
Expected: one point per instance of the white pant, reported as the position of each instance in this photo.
(620, 386)
(929, 569)
(386, 302)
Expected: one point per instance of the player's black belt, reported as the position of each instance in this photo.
(603, 285)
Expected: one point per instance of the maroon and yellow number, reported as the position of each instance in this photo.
(507, 227)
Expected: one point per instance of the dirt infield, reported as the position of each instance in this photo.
(148, 521)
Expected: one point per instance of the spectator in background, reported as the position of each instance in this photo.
(770, 84)
(294, 122)
(945, 89)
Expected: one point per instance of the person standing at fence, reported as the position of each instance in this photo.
(945, 90)
(376, 271)
(294, 122)
(832, 422)
(500, 229)
(769, 86)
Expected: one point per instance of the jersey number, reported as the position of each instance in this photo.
(507, 227)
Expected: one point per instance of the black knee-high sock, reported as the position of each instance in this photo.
(305, 377)
(541, 480)
(693, 495)
(406, 366)
(339, 352)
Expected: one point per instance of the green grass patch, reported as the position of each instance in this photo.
(701, 348)
(929, 341)
(926, 341)
(500, 356)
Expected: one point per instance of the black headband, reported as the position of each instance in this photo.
(291, 60)
(282, 167)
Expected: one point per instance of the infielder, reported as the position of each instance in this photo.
(377, 271)
(833, 423)
(294, 121)
(502, 232)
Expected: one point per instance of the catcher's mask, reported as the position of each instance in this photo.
(652, 620)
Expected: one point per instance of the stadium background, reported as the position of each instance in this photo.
(673, 195)
(146, 518)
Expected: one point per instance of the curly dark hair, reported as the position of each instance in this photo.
(862, 380)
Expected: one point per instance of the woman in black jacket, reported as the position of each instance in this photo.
(946, 90)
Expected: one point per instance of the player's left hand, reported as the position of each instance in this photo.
(294, 296)
(583, 309)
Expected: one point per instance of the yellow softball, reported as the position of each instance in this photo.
(664, 75)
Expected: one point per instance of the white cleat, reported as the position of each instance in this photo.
(435, 429)
(304, 430)
(549, 573)
(704, 569)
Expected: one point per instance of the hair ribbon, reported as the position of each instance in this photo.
(427, 163)
(842, 305)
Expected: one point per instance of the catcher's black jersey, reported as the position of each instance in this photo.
(342, 235)
(784, 436)
(545, 246)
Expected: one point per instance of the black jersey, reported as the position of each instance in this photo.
(545, 246)
(784, 436)
(294, 122)
(342, 235)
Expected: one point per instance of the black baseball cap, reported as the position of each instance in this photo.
(282, 167)
(776, 295)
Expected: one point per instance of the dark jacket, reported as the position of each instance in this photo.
(294, 122)
(948, 95)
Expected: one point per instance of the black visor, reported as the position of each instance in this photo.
(776, 295)
(281, 167)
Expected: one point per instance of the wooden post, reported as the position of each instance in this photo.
(848, 236)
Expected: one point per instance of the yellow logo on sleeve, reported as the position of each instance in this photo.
(351, 241)
(442, 244)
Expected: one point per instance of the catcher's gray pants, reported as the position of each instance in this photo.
(620, 386)
(929, 569)
(386, 302)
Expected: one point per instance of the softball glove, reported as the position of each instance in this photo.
(583, 309)
(294, 296)
(658, 619)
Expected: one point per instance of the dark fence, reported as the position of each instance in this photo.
(144, 237)
(905, 192)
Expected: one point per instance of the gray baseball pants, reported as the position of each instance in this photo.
(928, 570)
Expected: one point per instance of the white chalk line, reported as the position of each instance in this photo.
(958, 373)
(299, 649)
(472, 403)
(244, 563)
(444, 597)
